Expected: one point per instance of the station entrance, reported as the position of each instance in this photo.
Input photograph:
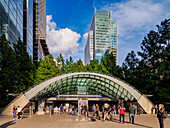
(77, 87)
(77, 100)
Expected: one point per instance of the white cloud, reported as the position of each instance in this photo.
(135, 19)
(50, 24)
(83, 43)
(136, 15)
(85, 35)
(64, 41)
(80, 54)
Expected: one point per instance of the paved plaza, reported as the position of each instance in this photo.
(66, 121)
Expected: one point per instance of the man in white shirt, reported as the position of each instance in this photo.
(19, 112)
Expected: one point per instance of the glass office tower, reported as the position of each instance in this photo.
(16, 20)
(11, 19)
(40, 48)
(28, 26)
(102, 36)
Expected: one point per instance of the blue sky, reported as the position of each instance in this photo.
(68, 22)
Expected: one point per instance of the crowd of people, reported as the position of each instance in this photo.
(106, 112)
(72, 110)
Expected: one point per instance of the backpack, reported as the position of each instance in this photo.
(164, 114)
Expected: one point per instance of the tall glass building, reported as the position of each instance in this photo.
(102, 36)
(28, 26)
(16, 20)
(11, 19)
(40, 48)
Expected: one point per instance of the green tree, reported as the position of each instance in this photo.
(25, 72)
(94, 65)
(8, 67)
(108, 65)
(61, 64)
(70, 65)
(46, 69)
(155, 61)
(151, 73)
(108, 60)
(79, 65)
(164, 63)
(129, 68)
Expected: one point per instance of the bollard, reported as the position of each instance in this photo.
(50, 110)
(30, 111)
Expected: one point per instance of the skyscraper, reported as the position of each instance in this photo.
(102, 36)
(16, 20)
(28, 26)
(40, 48)
(11, 19)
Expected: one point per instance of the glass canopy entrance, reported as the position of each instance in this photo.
(86, 85)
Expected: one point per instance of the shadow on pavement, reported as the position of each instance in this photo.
(5, 125)
(117, 121)
(23, 117)
(142, 125)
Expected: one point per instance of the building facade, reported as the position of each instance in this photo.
(11, 19)
(102, 36)
(40, 48)
(28, 26)
(18, 18)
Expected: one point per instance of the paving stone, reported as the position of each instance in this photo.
(66, 121)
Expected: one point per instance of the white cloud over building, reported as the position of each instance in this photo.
(64, 41)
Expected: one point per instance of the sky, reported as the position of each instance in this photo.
(68, 22)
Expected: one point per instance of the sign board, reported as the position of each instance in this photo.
(81, 90)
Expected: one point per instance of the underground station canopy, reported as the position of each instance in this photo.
(89, 84)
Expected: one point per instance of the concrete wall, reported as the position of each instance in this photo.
(145, 103)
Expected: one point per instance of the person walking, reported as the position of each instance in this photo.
(138, 109)
(118, 108)
(85, 110)
(70, 109)
(94, 109)
(79, 109)
(122, 113)
(114, 110)
(19, 113)
(103, 111)
(131, 113)
(161, 110)
(156, 109)
(107, 110)
(55, 110)
(14, 112)
(61, 108)
(97, 114)
(74, 110)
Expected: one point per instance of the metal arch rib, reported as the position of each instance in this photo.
(32, 92)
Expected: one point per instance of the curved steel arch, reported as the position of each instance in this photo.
(34, 91)
(106, 84)
(69, 85)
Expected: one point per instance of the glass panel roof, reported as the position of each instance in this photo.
(94, 84)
